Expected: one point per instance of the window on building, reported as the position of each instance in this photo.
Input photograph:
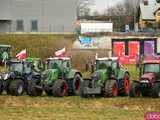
(34, 25)
(20, 26)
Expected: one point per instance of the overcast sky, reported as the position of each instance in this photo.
(100, 5)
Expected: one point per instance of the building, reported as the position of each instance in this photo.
(148, 14)
(37, 15)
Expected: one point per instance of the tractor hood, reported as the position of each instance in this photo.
(8, 75)
(148, 76)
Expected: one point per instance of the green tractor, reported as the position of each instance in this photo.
(59, 79)
(108, 80)
(15, 81)
(4, 54)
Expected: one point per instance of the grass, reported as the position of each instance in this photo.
(76, 108)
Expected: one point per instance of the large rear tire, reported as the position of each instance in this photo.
(60, 88)
(16, 87)
(134, 90)
(85, 83)
(156, 90)
(33, 90)
(77, 84)
(111, 88)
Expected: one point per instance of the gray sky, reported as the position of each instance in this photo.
(100, 5)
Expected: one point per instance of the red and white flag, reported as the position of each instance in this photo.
(60, 53)
(22, 55)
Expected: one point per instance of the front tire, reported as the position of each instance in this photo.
(16, 87)
(156, 90)
(77, 84)
(60, 88)
(134, 90)
(126, 85)
(111, 88)
(32, 90)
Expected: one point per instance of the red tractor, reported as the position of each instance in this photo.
(149, 80)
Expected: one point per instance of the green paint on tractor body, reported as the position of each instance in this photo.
(58, 75)
(107, 73)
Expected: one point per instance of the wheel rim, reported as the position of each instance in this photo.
(127, 85)
(20, 89)
(77, 85)
(114, 89)
(64, 89)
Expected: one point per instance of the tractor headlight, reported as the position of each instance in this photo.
(144, 81)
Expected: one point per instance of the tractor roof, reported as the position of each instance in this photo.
(31, 59)
(5, 46)
(59, 58)
(15, 61)
(108, 58)
(151, 62)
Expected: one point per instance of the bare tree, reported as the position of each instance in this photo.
(83, 7)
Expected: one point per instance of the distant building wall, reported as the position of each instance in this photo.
(45, 15)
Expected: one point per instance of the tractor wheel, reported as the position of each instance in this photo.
(111, 88)
(126, 85)
(76, 84)
(156, 90)
(1, 87)
(60, 88)
(48, 90)
(134, 90)
(16, 87)
(85, 83)
(32, 90)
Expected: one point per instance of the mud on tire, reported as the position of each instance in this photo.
(60, 88)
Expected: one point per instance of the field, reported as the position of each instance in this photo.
(73, 107)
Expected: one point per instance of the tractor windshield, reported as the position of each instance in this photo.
(54, 64)
(16, 66)
(153, 68)
(103, 64)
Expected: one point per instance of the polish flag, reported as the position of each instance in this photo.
(22, 55)
(60, 53)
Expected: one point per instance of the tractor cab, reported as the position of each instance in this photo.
(150, 70)
(61, 65)
(4, 53)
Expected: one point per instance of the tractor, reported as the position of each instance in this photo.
(148, 84)
(15, 81)
(108, 80)
(58, 79)
(4, 54)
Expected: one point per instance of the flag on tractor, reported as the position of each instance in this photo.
(22, 55)
(60, 53)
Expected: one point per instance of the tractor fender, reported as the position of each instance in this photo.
(76, 72)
